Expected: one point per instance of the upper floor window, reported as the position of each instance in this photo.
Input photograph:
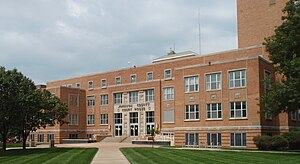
(133, 97)
(90, 100)
(168, 93)
(168, 74)
(118, 80)
(213, 111)
(90, 85)
(104, 99)
(103, 83)
(103, 119)
(118, 98)
(267, 82)
(191, 112)
(149, 76)
(238, 109)
(213, 81)
(69, 85)
(133, 78)
(237, 78)
(73, 119)
(191, 84)
(150, 95)
(91, 119)
(78, 85)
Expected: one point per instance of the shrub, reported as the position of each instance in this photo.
(279, 143)
(263, 142)
(293, 138)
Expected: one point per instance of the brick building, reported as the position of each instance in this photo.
(209, 99)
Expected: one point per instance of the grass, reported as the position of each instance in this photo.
(47, 155)
(13, 145)
(162, 155)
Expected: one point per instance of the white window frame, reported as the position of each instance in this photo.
(188, 113)
(163, 116)
(243, 142)
(90, 100)
(104, 99)
(209, 109)
(168, 93)
(209, 138)
(40, 138)
(150, 97)
(240, 79)
(118, 82)
(195, 137)
(150, 121)
(147, 77)
(133, 97)
(50, 137)
(190, 81)
(69, 85)
(78, 85)
(209, 82)
(90, 85)
(73, 119)
(133, 78)
(103, 83)
(167, 76)
(90, 119)
(235, 110)
(103, 119)
(118, 100)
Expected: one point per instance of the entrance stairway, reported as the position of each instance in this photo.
(118, 139)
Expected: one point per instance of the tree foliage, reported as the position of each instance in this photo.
(284, 49)
(25, 108)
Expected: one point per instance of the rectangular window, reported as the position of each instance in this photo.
(118, 118)
(133, 78)
(103, 83)
(237, 79)
(213, 81)
(73, 119)
(78, 85)
(40, 137)
(168, 116)
(118, 80)
(238, 139)
(90, 85)
(214, 139)
(191, 84)
(104, 99)
(70, 100)
(168, 74)
(118, 98)
(191, 112)
(73, 136)
(294, 115)
(91, 120)
(149, 76)
(133, 97)
(267, 82)
(168, 93)
(103, 119)
(31, 137)
(69, 85)
(90, 101)
(238, 109)
(133, 117)
(89, 136)
(149, 95)
(191, 139)
(213, 111)
(50, 137)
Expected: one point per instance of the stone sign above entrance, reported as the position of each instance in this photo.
(148, 106)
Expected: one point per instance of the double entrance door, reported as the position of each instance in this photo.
(134, 129)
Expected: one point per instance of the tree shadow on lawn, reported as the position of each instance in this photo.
(36, 151)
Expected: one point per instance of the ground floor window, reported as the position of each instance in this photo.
(40, 137)
(73, 136)
(50, 137)
(31, 137)
(103, 119)
(90, 119)
(191, 139)
(238, 139)
(214, 139)
(89, 136)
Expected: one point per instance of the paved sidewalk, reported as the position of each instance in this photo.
(108, 152)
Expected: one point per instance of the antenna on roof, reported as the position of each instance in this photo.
(174, 46)
(199, 28)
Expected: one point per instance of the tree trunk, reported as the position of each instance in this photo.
(4, 137)
(24, 136)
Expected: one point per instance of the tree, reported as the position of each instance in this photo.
(153, 132)
(284, 50)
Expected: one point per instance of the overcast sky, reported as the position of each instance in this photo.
(49, 40)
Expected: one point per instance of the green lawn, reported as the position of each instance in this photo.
(54, 155)
(12, 145)
(173, 156)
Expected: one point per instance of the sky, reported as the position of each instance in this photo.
(48, 40)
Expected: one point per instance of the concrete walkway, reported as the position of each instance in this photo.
(108, 152)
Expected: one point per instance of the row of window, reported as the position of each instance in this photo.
(118, 98)
(41, 137)
(215, 139)
(213, 81)
(213, 111)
